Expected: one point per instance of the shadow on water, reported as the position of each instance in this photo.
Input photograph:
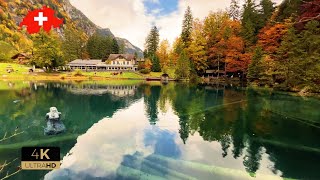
(164, 131)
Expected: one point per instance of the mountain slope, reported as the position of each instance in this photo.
(12, 13)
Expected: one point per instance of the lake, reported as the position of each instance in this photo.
(140, 130)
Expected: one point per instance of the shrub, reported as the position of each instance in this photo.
(77, 72)
(145, 71)
(63, 77)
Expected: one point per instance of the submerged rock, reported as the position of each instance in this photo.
(54, 127)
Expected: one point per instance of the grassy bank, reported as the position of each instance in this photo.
(21, 72)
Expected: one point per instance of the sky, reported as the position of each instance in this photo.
(133, 19)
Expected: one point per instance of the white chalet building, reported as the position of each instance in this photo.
(115, 62)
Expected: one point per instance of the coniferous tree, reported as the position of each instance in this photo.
(287, 9)
(255, 67)
(310, 43)
(99, 46)
(155, 64)
(122, 48)
(267, 9)
(72, 44)
(288, 67)
(115, 46)
(152, 42)
(250, 22)
(187, 27)
(234, 10)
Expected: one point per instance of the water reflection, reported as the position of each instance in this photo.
(173, 131)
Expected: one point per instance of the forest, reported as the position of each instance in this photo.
(272, 46)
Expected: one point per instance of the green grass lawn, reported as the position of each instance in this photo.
(13, 85)
(21, 72)
(18, 69)
(158, 74)
(129, 75)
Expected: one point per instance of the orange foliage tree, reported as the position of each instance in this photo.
(270, 37)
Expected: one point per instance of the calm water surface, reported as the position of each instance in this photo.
(142, 130)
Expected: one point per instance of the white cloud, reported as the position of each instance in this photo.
(129, 19)
(153, 1)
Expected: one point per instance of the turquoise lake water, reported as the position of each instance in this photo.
(145, 130)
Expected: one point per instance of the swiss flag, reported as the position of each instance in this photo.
(41, 18)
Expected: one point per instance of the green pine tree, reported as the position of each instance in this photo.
(255, 67)
(187, 26)
(234, 10)
(289, 60)
(267, 8)
(99, 46)
(152, 42)
(250, 22)
(72, 44)
(115, 46)
(155, 64)
(310, 43)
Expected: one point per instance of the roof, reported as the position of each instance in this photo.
(92, 62)
(210, 71)
(128, 57)
(20, 54)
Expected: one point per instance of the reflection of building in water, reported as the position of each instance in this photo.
(117, 90)
(122, 90)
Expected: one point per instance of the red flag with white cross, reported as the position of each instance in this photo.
(41, 18)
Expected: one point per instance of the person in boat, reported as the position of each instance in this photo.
(54, 123)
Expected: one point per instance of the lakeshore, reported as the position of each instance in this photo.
(21, 72)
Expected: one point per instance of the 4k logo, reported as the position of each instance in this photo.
(43, 154)
(40, 158)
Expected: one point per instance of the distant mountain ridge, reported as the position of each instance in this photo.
(12, 13)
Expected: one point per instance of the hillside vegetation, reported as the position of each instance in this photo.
(77, 28)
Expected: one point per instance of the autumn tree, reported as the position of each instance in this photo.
(270, 37)
(215, 32)
(197, 49)
(310, 10)
(183, 66)
(163, 54)
(175, 52)
(47, 50)
(237, 60)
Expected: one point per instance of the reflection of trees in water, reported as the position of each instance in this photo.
(151, 102)
(238, 125)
